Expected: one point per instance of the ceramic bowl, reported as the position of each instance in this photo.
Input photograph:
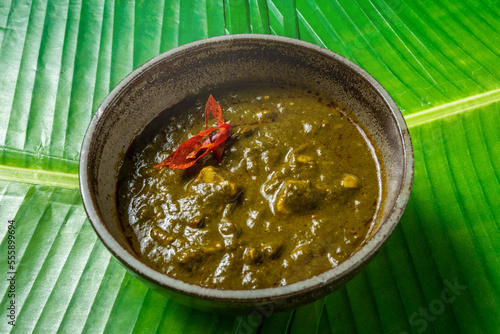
(172, 76)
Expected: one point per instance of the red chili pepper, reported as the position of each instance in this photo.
(213, 107)
(203, 143)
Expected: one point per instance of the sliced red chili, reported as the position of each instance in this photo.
(212, 107)
(203, 143)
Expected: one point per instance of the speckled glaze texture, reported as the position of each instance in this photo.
(169, 78)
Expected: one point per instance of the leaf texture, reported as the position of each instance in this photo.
(439, 271)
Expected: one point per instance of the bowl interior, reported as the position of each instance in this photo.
(171, 77)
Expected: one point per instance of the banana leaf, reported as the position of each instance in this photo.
(439, 271)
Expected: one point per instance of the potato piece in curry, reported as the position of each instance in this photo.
(295, 194)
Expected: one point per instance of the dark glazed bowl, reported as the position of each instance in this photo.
(172, 76)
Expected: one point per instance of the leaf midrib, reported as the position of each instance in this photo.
(70, 180)
(452, 108)
(39, 177)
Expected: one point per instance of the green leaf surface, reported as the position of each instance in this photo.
(439, 271)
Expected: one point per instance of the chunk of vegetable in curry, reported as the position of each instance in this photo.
(295, 192)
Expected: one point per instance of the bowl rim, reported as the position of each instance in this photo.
(355, 261)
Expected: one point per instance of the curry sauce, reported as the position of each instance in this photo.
(295, 194)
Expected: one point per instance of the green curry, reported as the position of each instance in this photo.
(296, 192)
